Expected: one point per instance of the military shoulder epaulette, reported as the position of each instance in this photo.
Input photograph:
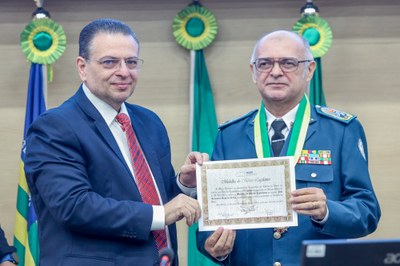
(335, 114)
(229, 122)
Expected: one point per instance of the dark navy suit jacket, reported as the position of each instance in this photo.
(89, 208)
(4, 247)
(353, 208)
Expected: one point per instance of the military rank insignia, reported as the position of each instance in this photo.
(335, 114)
(315, 157)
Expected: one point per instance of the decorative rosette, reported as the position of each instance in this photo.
(318, 33)
(194, 27)
(43, 41)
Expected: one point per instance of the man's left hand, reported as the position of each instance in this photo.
(309, 201)
(187, 176)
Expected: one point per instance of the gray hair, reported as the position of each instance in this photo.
(102, 25)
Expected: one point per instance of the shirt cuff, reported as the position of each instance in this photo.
(7, 257)
(190, 191)
(323, 221)
(158, 222)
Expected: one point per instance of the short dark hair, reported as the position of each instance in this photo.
(102, 25)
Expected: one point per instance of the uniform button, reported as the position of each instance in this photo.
(313, 175)
(277, 236)
(277, 263)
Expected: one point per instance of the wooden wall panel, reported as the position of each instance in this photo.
(360, 75)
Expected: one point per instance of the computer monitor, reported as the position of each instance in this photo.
(342, 252)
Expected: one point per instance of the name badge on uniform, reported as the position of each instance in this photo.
(315, 157)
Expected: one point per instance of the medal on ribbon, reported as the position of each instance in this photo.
(296, 141)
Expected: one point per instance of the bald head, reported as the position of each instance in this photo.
(282, 66)
(283, 36)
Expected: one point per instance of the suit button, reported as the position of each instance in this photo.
(277, 263)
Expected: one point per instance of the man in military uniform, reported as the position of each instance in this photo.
(334, 196)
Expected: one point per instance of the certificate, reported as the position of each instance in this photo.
(245, 194)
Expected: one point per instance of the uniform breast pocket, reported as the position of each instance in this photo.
(309, 175)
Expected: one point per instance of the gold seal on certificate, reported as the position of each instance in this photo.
(244, 194)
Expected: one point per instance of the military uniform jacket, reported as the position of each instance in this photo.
(353, 207)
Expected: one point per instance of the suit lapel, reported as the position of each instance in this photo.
(88, 108)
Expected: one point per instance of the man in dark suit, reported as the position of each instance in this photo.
(334, 196)
(6, 251)
(106, 194)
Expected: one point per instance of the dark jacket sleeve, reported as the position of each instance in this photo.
(4, 247)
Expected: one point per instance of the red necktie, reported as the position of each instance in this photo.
(142, 173)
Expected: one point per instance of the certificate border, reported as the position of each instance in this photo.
(205, 224)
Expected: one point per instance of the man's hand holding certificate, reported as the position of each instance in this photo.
(251, 193)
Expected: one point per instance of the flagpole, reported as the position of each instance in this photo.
(318, 33)
(44, 76)
(191, 98)
(194, 28)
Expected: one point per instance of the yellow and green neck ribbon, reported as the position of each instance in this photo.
(297, 136)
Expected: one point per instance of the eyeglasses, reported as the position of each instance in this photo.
(114, 63)
(287, 64)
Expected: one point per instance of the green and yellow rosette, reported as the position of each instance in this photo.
(43, 41)
(194, 27)
(318, 33)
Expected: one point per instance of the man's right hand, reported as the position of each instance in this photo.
(180, 207)
(220, 243)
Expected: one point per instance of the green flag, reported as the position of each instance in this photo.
(204, 129)
(316, 94)
(204, 126)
